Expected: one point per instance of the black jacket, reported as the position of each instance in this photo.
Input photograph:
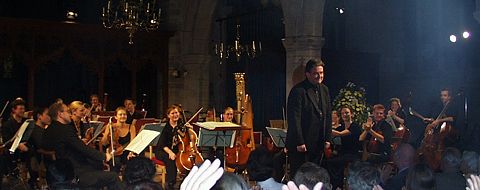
(64, 141)
(309, 116)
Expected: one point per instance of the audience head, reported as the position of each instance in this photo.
(469, 164)
(451, 159)
(259, 165)
(404, 156)
(59, 112)
(309, 174)
(362, 176)
(18, 107)
(420, 177)
(314, 71)
(145, 185)
(77, 108)
(41, 115)
(139, 169)
(230, 181)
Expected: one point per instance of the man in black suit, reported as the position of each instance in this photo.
(87, 162)
(309, 118)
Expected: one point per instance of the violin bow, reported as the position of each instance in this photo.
(111, 141)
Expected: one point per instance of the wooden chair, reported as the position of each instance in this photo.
(159, 166)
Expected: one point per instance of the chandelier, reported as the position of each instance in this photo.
(252, 49)
(131, 15)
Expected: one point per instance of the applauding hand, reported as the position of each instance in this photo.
(203, 178)
(292, 186)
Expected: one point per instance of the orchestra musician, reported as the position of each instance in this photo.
(95, 102)
(448, 117)
(34, 143)
(78, 110)
(348, 132)
(376, 136)
(396, 112)
(132, 114)
(167, 147)
(124, 133)
(87, 162)
(309, 118)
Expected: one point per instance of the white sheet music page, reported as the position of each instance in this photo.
(142, 140)
(211, 125)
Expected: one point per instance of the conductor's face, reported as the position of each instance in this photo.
(315, 75)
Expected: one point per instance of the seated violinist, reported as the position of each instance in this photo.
(78, 110)
(376, 137)
(123, 134)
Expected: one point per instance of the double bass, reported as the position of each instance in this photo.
(188, 154)
(237, 155)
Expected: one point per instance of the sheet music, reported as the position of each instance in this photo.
(142, 140)
(19, 134)
(211, 125)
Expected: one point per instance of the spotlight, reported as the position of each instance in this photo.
(466, 34)
(453, 38)
(71, 15)
(341, 11)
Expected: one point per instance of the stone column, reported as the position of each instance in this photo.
(303, 36)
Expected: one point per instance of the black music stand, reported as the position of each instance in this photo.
(22, 134)
(278, 136)
(97, 127)
(214, 139)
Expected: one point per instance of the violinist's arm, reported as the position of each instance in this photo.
(105, 139)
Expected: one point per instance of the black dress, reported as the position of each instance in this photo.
(168, 138)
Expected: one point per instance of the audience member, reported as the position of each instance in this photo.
(292, 186)
(362, 176)
(230, 181)
(260, 169)
(139, 169)
(145, 185)
(203, 178)
(420, 177)
(450, 177)
(60, 175)
(309, 174)
(469, 164)
(403, 158)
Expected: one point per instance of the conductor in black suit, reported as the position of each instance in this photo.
(309, 118)
(61, 137)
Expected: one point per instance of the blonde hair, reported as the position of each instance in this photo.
(75, 105)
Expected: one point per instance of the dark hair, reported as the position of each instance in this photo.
(131, 99)
(309, 174)
(17, 102)
(145, 185)
(139, 169)
(38, 111)
(230, 181)
(54, 109)
(469, 163)
(312, 63)
(362, 176)
(259, 165)
(395, 100)
(445, 89)
(451, 158)
(378, 106)
(93, 95)
(420, 177)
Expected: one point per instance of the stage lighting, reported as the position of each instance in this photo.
(453, 38)
(466, 34)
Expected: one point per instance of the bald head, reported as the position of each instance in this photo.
(404, 155)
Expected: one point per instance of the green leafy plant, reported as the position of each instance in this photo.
(353, 97)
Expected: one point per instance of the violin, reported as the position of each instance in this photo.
(188, 154)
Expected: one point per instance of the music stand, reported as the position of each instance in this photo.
(97, 127)
(154, 127)
(217, 134)
(23, 134)
(278, 136)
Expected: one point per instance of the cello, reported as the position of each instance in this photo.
(433, 145)
(188, 154)
(237, 156)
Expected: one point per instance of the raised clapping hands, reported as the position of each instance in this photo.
(473, 182)
(203, 178)
(292, 186)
